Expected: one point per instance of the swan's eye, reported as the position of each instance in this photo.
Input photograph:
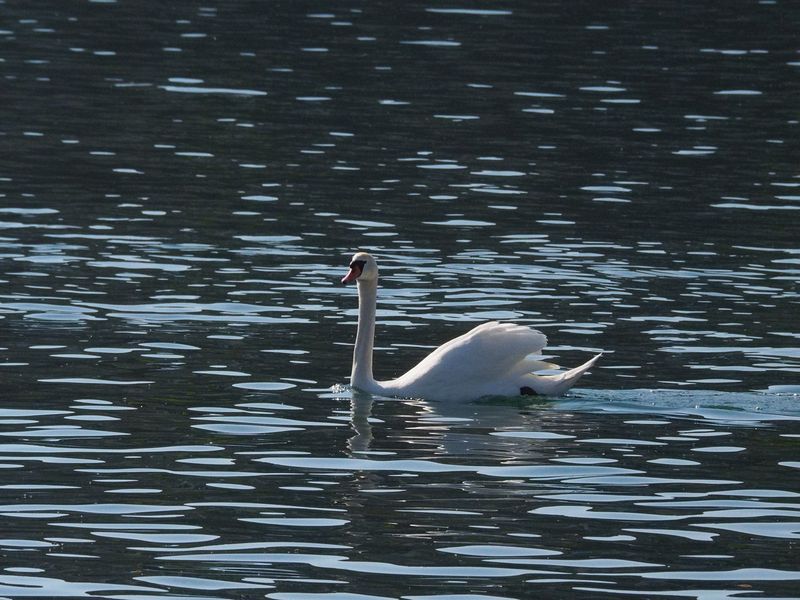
(359, 265)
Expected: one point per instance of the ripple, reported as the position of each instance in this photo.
(169, 346)
(539, 94)
(720, 449)
(461, 223)
(340, 563)
(587, 512)
(324, 596)
(420, 466)
(603, 88)
(202, 583)
(532, 435)
(265, 386)
(297, 522)
(497, 173)
(433, 43)
(267, 421)
(442, 167)
(98, 508)
(497, 551)
(61, 433)
(192, 89)
(13, 585)
(729, 576)
(783, 530)
(469, 11)
(91, 381)
(587, 563)
(695, 536)
(738, 93)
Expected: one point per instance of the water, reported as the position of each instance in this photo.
(180, 190)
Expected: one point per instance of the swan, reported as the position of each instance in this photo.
(493, 359)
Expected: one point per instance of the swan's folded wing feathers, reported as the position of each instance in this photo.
(485, 353)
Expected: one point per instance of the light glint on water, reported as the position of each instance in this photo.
(181, 190)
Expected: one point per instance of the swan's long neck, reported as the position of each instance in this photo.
(361, 375)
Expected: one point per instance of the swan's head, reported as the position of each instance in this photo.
(362, 268)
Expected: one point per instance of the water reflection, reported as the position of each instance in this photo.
(179, 189)
(520, 493)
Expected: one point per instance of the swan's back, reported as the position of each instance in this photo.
(489, 359)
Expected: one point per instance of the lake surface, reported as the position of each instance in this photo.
(181, 187)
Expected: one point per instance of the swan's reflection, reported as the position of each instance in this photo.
(362, 421)
(360, 412)
(448, 424)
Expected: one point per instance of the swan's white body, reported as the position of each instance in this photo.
(493, 359)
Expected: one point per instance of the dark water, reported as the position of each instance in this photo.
(181, 185)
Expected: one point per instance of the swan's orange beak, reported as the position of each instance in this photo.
(353, 274)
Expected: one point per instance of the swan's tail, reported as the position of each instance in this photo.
(555, 385)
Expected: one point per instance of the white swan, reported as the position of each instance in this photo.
(493, 359)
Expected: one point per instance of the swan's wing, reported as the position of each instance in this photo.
(489, 352)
